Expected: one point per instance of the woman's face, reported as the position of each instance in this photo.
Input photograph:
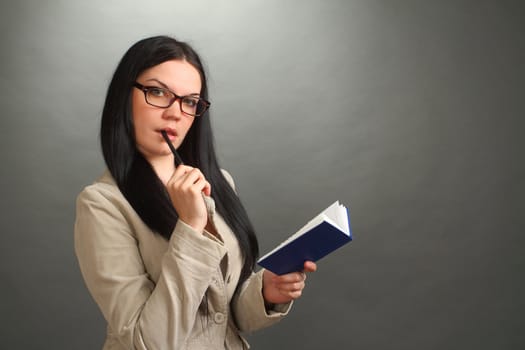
(181, 78)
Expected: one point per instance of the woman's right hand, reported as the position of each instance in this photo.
(186, 187)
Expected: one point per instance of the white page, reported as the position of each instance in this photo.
(335, 215)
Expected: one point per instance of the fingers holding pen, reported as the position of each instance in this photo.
(190, 179)
(185, 188)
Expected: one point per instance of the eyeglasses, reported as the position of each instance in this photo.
(156, 96)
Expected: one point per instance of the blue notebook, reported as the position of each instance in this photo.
(322, 235)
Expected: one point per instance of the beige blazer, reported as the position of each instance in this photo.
(152, 292)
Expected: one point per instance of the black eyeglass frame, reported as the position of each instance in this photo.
(176, 97)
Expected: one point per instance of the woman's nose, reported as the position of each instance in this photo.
(174, 111)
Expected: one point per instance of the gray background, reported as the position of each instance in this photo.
(409, 112)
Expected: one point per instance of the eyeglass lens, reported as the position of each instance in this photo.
(163, 98)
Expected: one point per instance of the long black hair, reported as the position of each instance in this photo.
(134, 175)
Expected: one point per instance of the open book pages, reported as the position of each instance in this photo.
(336, 215)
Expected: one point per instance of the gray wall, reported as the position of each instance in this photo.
(410, 112)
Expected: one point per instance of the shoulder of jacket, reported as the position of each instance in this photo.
(103, 189)
(228, 178)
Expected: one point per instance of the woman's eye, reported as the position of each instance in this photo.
(190, 102)
(157, 92)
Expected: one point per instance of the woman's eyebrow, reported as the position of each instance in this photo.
(167, 87)
(160, 82)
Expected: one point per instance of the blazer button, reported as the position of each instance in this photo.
(219, 317)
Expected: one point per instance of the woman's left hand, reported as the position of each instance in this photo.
(282, 289)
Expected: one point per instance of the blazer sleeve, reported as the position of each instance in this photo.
(142, 314)
(249, 308)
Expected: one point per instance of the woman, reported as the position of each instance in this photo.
(167, 251)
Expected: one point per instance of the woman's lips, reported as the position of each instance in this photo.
(172, 133)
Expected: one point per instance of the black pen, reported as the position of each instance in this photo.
(178, 159)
